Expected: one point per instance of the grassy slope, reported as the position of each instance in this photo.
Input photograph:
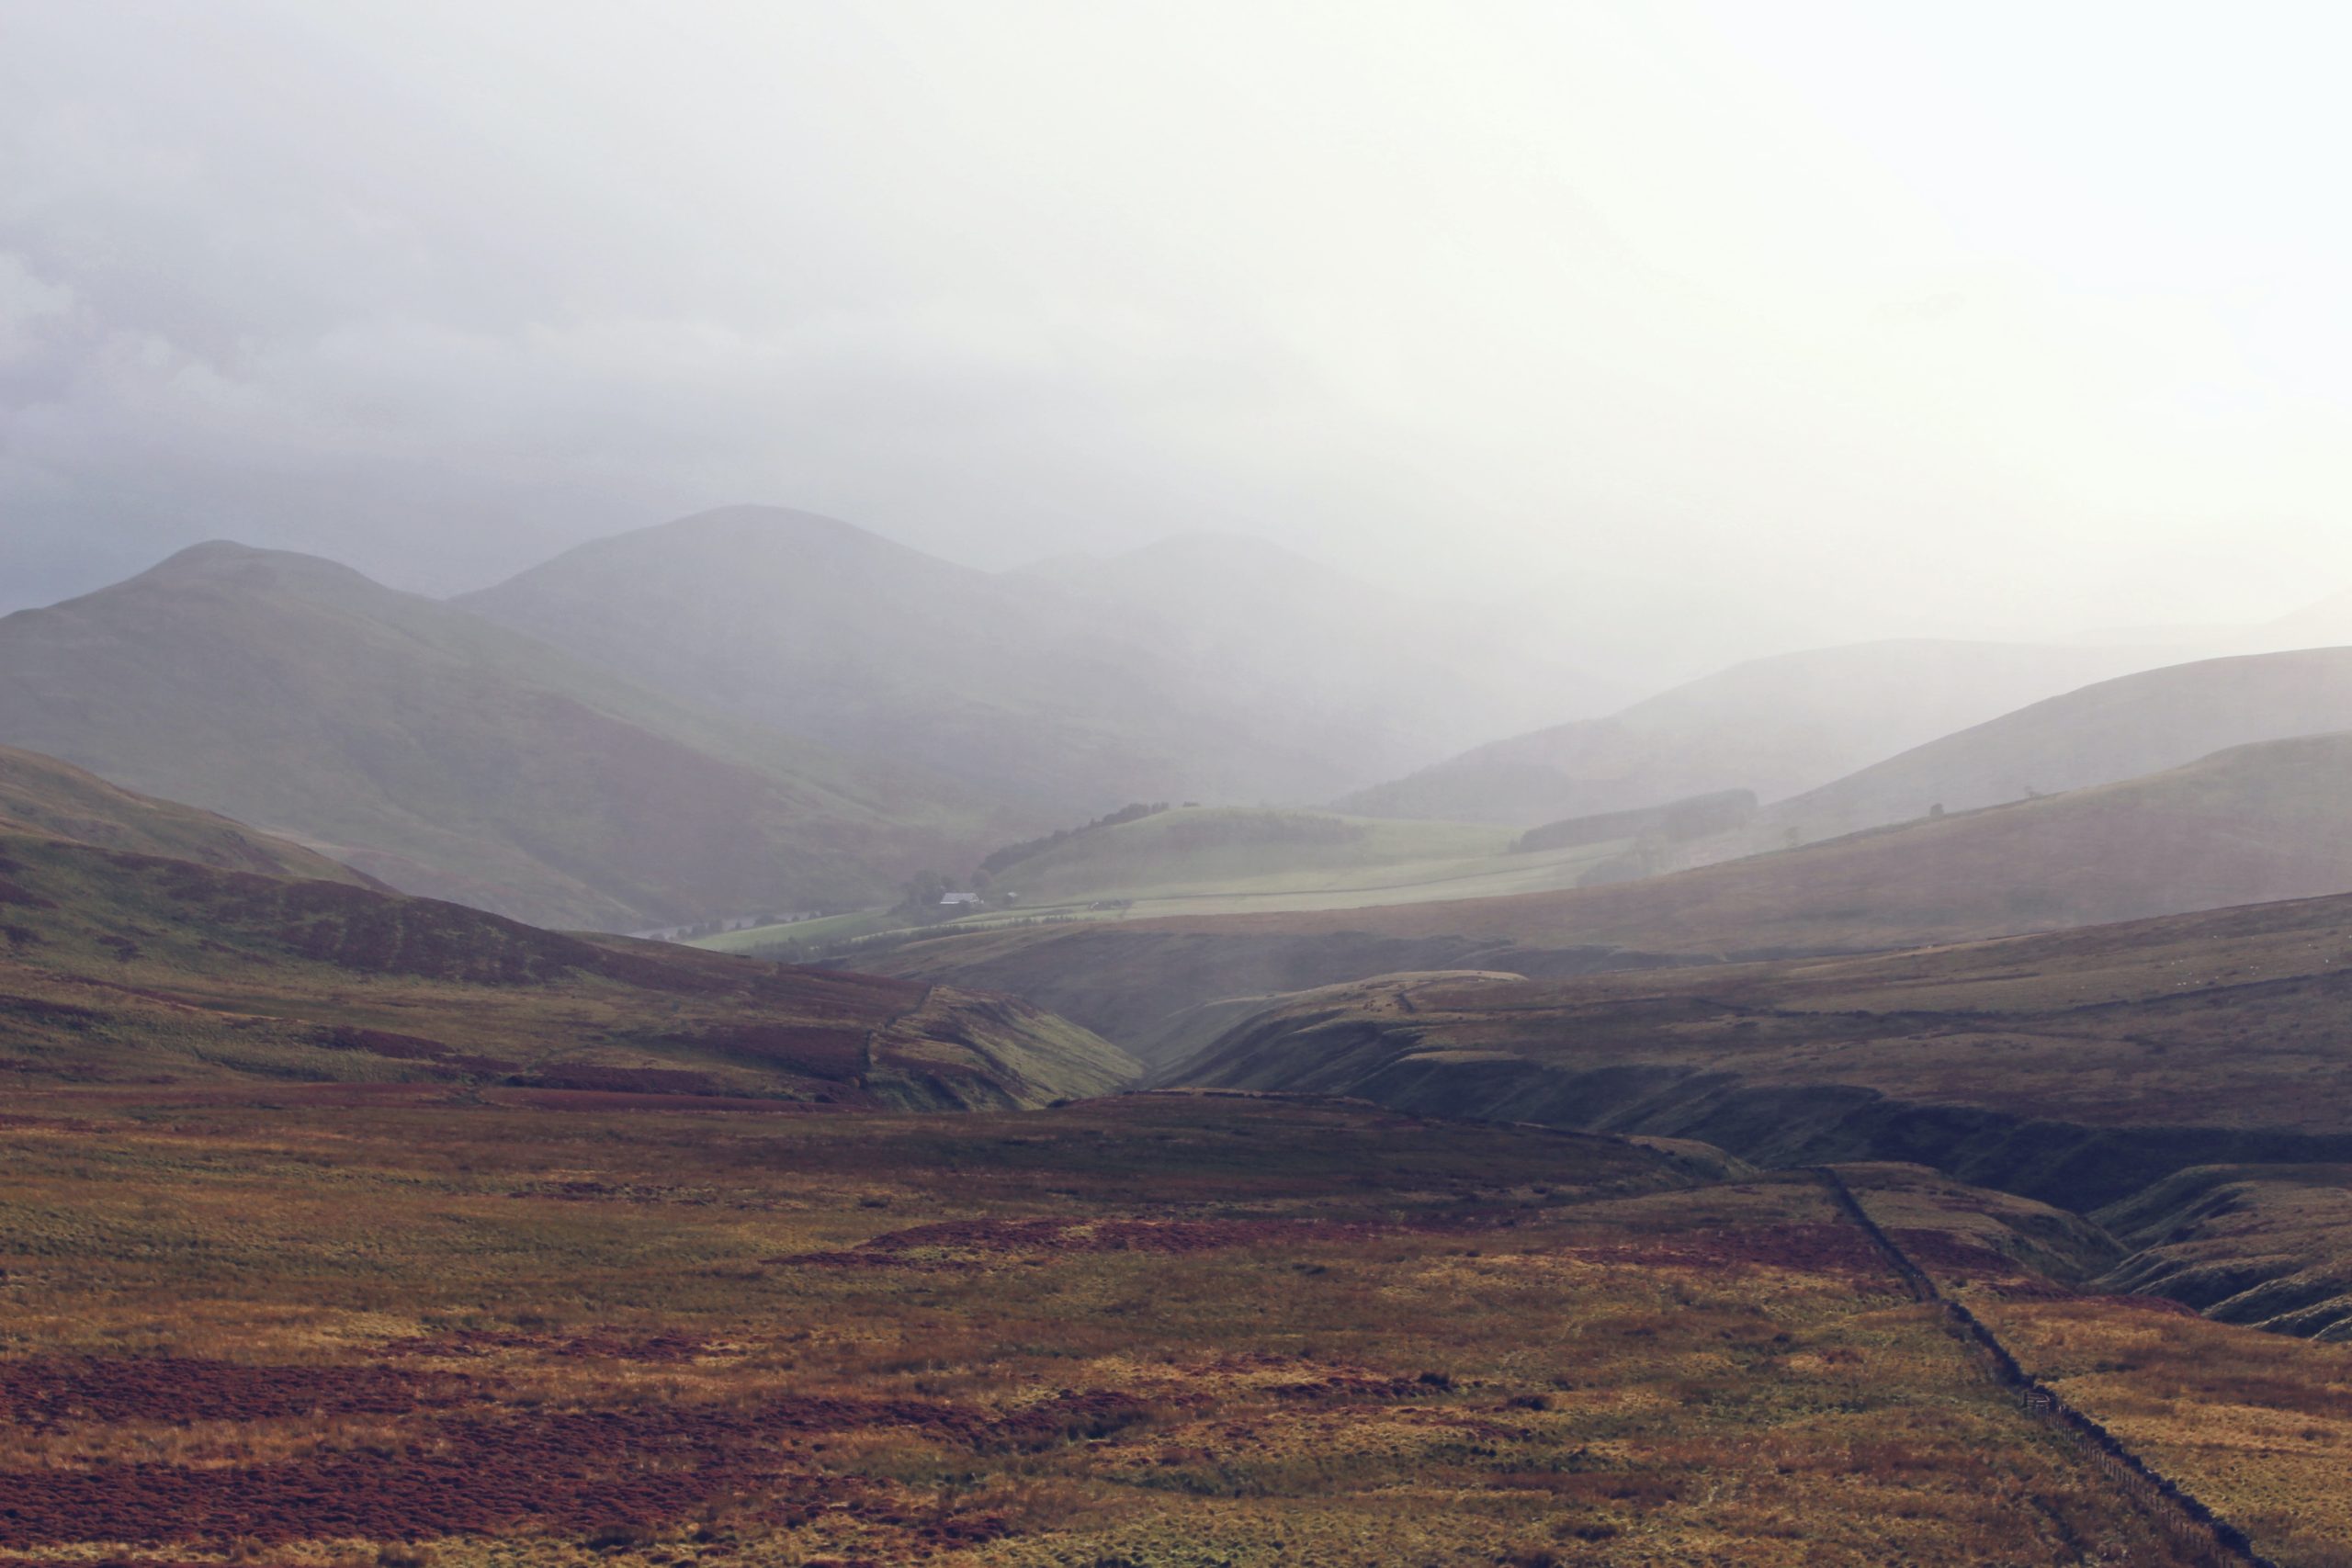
(2266, 1246)
(447, 755)
(2076, 1067)
(1157, 1329)
(1233, 850)
(1230, 861)
(117, 967)
(2254, 1424)
(2258, 823)
(44, 797)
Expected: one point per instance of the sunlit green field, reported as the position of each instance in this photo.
(1228, 860)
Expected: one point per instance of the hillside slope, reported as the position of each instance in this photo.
(126, 968)
(1239, 675)
(1774, 726)
(1212, 849)
(448, 756)
(44, 797)
(2076, 1067)
(2121, 728)
(2258, 823)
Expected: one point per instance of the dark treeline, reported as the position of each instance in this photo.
(1013, 854)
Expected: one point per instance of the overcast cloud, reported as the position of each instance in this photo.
(2007, 318)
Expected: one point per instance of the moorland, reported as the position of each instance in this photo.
(1874, 1104)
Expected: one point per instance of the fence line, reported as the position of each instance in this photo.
(2172, 1506)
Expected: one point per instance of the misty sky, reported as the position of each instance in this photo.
(1989, 318)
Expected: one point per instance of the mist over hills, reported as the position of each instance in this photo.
(449, 756)
(2115, 729)
(2258, 823)
(1776, 726)
(1210, 667)
(1389, 675)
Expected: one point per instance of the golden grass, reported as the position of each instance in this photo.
(1156, 1330)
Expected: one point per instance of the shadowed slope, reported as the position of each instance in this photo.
(128, 968)
(2076, 1067)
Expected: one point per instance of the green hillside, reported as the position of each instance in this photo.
(1216, 861)
(1210, 852)
(451, 757)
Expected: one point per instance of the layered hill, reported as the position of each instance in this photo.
(1219, 670)
(2122, 728)
(449, 756)
(122, 967)
(2255, 823)
(2076, 1067)
(1776, 726)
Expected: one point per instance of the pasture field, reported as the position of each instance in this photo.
(343, 1324)
(1232, 860)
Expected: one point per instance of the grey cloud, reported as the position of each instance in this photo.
(1479, 299)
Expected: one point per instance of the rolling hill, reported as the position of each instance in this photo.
(448, 756)
(118, 967)
(2075, 1067)
(1218, 670)
(2264, 822)
(1776, 726)
(2122, 728)
(1220, 851)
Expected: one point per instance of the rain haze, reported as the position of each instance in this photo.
(1996, 320)
(1101, 783)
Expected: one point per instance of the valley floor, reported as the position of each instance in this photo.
(402, 1323)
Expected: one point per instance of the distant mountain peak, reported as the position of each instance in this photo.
(228, 561)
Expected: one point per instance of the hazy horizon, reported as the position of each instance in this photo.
(1961, 326)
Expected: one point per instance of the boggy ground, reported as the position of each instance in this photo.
(1165, 1329)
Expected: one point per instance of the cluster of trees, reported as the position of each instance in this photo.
(1012, 855)
(713, 927)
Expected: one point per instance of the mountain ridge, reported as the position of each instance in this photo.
(448, 755)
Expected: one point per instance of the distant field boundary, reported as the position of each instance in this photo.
(2169, 1504)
